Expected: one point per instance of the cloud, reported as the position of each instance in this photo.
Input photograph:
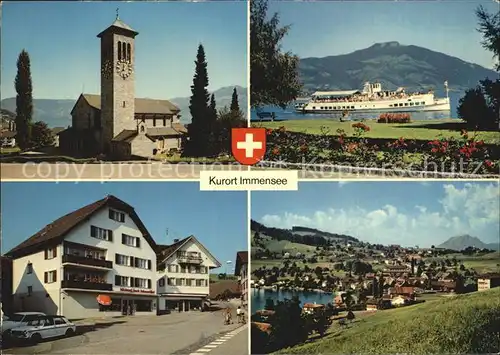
(472, 209)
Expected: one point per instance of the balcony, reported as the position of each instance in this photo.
(86, 285)
(87, 261)
(186, 259)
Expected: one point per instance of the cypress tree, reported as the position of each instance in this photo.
(235, 106)
(24, 100)
(199, 129)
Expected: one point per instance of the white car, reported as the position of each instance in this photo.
(44, 327)
(17, 320)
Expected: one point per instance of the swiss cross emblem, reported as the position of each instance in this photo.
(248, 145)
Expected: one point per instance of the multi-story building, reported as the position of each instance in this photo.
(184, 275)
(99, 258)
(487, 281)
(241, 270)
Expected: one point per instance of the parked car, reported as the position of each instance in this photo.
(44, 327)
(17, 320)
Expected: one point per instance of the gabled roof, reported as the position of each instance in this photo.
(166, 251)
(55, 232)
(241, 259)
(142, 106)
(119, 27)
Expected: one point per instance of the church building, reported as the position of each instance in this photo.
(116, 123)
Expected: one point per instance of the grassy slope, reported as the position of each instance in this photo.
(458, 325)
(426, 130)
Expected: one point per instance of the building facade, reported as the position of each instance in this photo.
(184, 275)
(116, 123)
(97, 260)
(241, 270)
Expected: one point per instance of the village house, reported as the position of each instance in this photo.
(99, 258)
(116, 123)
(184, 275)
(8, 138)
(241, 270)
(487, 281)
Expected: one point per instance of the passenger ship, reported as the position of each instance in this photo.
(373, 98)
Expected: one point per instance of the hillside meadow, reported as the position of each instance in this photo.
(462, 324)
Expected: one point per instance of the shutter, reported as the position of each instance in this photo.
(149, 283)
(110, 214)
(55, 275)
(122, 219)
(45, 277)
(132, 262)
(149, 264)
(117, 279)
(117, 258)
(110, 235)
(138, 242)
(55, 252)
(132, 282)
(93, 231)
(123, 238)
(46, 253)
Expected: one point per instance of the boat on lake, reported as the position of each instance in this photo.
(373, 98)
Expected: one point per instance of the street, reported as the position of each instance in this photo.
(176, 333)
(232, 343)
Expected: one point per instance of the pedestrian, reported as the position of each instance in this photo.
(238, 313)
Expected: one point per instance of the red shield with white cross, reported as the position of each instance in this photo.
(248, 145)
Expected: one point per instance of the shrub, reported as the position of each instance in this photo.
(394, 118)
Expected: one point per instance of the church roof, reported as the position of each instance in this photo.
(118, 26)
(146, 106)
(175, 130)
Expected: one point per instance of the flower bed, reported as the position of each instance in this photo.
(394, 118)
(466, 155)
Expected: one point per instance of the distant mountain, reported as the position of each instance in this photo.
(56, 113)
(461, 242)
(394, 65)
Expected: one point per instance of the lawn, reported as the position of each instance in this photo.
(419, 130)
(9, 150)
(177, 158)
(464, 324)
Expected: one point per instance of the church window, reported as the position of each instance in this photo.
(154, 122)
(164, 122)
(142, 129)
(129, 56)
(124, 51)
(119, 50)
(123, 104)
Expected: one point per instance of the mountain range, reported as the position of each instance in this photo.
(56, 113)
(461, 242)
(394, 65)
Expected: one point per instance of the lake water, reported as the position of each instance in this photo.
(258, 297)
(290, 114)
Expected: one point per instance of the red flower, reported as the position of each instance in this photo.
(276, 151)
(269, 131)
(488, 163)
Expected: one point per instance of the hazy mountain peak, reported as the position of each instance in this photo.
(461, 242)
(387, 44)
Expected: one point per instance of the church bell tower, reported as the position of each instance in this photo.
(117, 81)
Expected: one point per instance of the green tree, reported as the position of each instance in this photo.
(41, 135)
(274, 76)
(489, 27)
(235, 106)
(24, 100)
(199, 129)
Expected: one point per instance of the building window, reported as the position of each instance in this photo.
(123, 281)
(29, 268)
(50, 253)
(172, 268)
(50, 276)
(119, 50)
(123, 260)
(164, 122)
(143, 263)
(30, 290)
(131, 241)
(129, 52)
(200, 283)
(124, 51)
(123, 104)
(203, 270)
(101, 233)
(142, 283)
(171, 281)
(142, 129)
(116, 216)
(161, 282)
(154, 122)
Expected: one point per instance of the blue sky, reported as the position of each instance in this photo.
(65, 52)
(326, 28)
(217, 219)
(406, 213)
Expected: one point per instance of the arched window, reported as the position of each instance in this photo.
(119, 50)
(142, 129)
(129, 57)
(124, 51)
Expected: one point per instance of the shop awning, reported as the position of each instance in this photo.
(105, 300)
